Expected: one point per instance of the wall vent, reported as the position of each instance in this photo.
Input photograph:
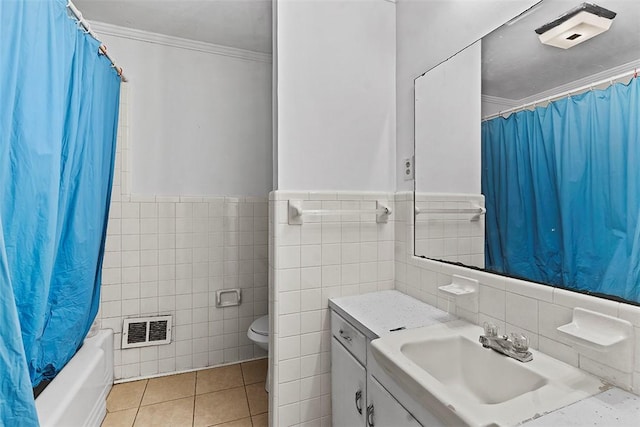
(146, 331)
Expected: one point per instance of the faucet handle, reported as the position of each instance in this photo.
(490, 330)
(520, 342)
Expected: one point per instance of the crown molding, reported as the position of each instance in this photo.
(102, 28)
(552, 93)
(499, 101)
(585, 81)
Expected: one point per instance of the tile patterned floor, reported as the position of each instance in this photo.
(228, 396)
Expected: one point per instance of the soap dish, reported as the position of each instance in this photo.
(460, 286)
(596, 330)
(456, 289)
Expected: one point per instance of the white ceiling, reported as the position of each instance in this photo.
(242, 24)
(515, 65)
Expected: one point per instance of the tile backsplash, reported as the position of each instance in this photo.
(515, 305)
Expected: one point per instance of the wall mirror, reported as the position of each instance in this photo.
(526, 154)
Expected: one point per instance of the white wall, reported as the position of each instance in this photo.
(274, 91)
(428, 32)
(197, 119)
(447, 125)
(336, 95)
(168, 255)
(202, 115)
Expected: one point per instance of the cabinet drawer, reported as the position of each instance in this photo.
(350, 337)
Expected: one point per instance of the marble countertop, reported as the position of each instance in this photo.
(614, 407)
(379, 313)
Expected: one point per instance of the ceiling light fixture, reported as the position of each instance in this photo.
(576, 26)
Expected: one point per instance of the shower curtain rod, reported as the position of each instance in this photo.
(103, 49)
(549, 99)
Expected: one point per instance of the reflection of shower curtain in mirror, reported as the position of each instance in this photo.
(562, 191)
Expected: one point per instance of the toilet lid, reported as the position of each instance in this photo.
(261, 326)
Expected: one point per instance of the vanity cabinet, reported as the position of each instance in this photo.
(348, 387)
(357, 381)
(358, 399)
(366, 393)
(384, 410)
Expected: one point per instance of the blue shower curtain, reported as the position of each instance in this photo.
(562, 190)
(58, 121)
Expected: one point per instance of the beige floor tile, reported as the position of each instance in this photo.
(125, 395)
(178, 413)
(255, 371)
(217, 379)
(245, 422)
(169, 388)
(258, 398)
(220, 407)
(120, 418)
(261, 420)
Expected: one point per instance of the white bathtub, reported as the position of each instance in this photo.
(77, 396)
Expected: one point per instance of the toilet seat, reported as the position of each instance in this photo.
(258, 332)
(261, 326)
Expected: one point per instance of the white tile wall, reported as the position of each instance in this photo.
(449, 237)
(168, 255)
(513, 305)
(324, 257)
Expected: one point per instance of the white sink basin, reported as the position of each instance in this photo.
(447, 370)
(471, 370)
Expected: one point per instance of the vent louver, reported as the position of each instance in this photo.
(146, 331)
(137, 332)
(158, 330)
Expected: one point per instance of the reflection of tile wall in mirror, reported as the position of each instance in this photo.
(447, 229)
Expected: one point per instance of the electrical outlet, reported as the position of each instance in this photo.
(407, 167)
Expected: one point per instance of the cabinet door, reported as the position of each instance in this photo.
(383, 410)
(348, 393)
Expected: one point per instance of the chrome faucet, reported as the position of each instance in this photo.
(516, 346)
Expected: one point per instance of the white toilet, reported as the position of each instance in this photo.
(258, 332)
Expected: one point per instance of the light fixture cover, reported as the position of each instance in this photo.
(576, 26)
